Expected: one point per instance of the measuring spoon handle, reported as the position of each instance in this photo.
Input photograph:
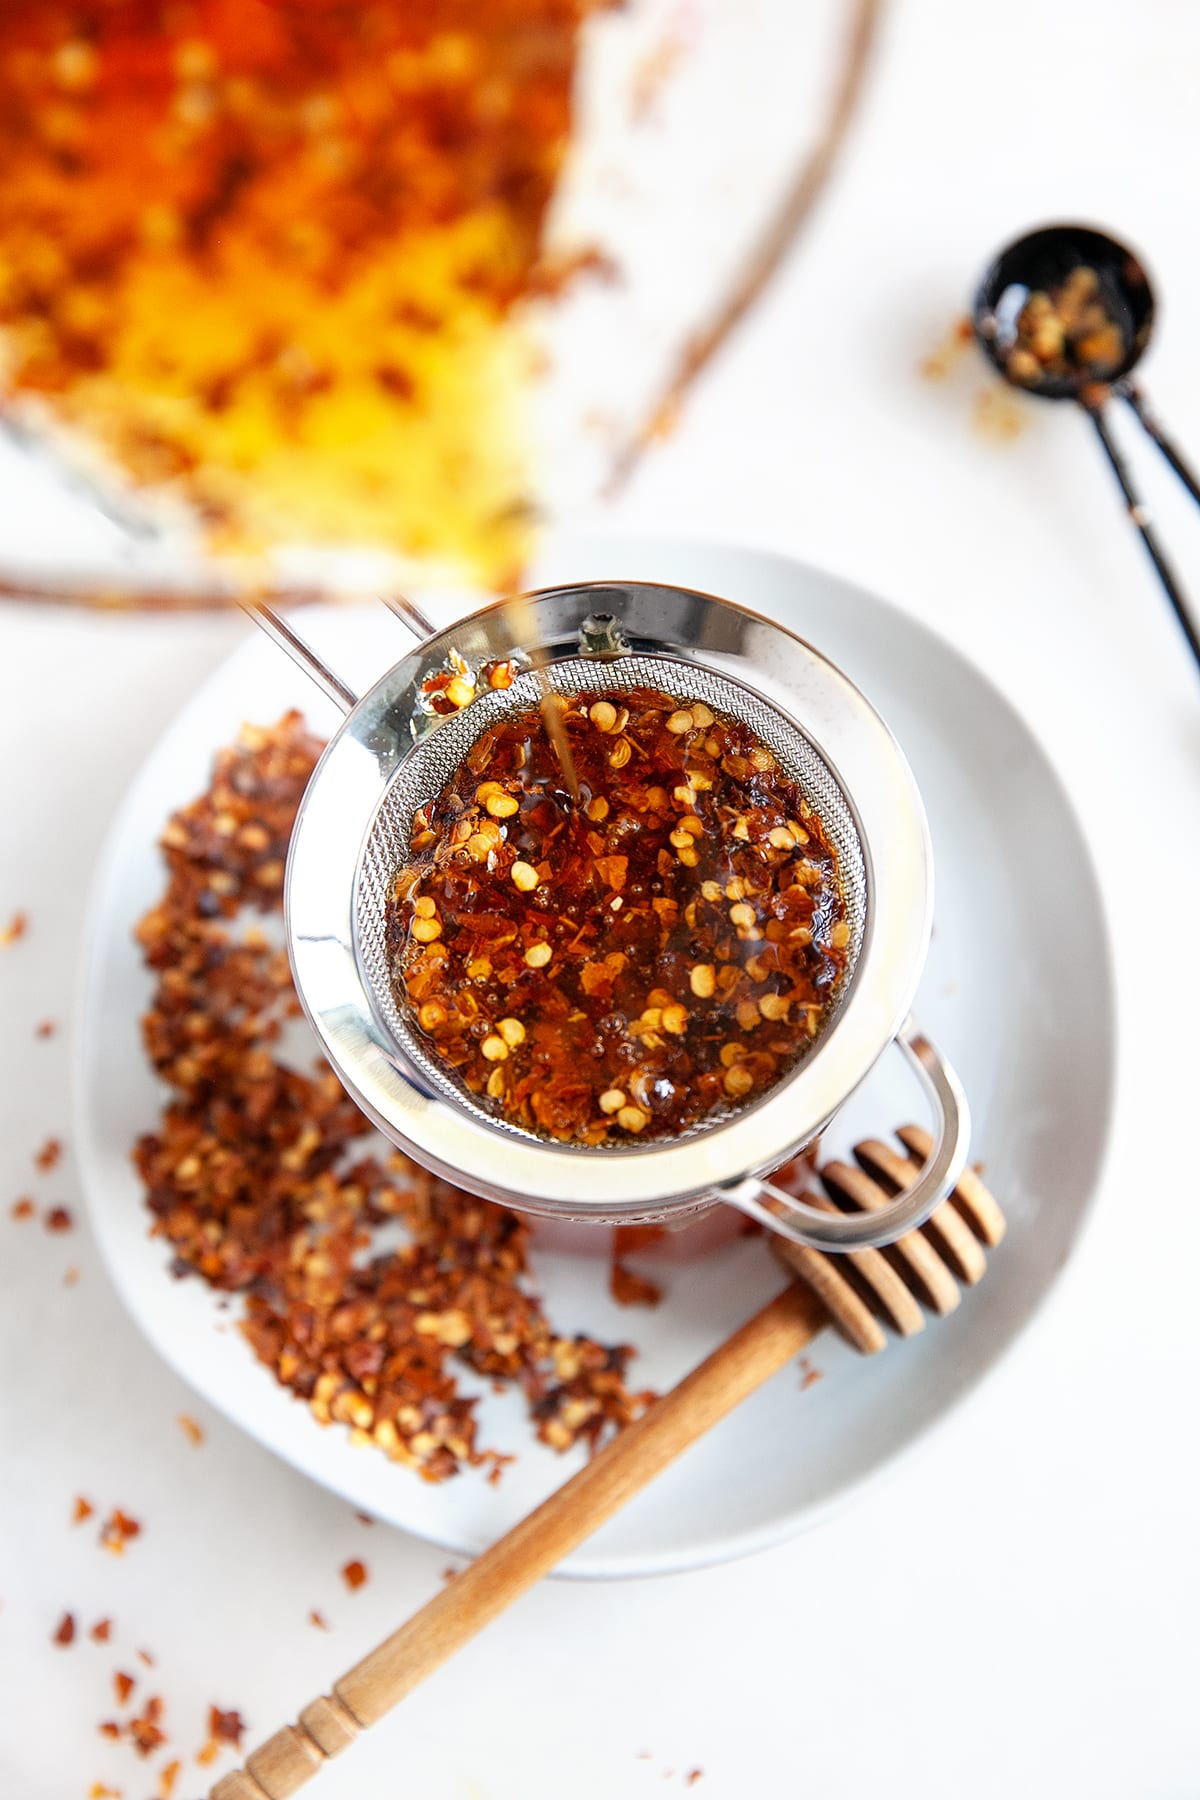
(1136, 400)
(1140, 514)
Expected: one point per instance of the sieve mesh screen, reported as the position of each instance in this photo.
(427, 768)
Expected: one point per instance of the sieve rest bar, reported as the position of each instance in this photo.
(302, 654)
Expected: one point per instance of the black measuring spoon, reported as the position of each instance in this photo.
(1065, 313)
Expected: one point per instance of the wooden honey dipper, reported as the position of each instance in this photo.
(924, 1270)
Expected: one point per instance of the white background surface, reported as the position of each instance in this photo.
(1012, 1613)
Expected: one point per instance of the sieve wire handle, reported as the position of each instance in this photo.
(306, 658)
(803, 1224)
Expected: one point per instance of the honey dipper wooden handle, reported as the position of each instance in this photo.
(531, 1549)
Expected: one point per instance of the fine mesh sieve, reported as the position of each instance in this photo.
(388, 757)
(429, 766)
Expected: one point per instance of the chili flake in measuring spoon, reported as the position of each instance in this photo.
(626, 965)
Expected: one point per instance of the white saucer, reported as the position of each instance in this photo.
(1018, 991)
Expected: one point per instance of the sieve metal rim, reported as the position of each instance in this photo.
(801, 683)
(573, 674)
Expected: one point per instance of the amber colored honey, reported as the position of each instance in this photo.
(268, 254)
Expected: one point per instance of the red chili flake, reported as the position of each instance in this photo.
(46, 1029)
(66, 1630)
(117, 1530)
(209, 1754)
(16, 928)
(318, 1619)
(364, 1518)
(49, 1156)
(123, 1686)
(224, 1125)
(809, 1376)
(82, 1509)
(22, 1208)
(70, 1276)
(449, 1572)
(146, 1734)
(109, 1729)
(354, 1574)
(145, 1657)
(102, 1630)
(98, 1791)
(692, 1777)
(226, 1727)
(167, 1779)
(59, 1219)
(628, 1288)
(191, 1428)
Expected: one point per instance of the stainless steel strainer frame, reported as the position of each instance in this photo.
(824, 729)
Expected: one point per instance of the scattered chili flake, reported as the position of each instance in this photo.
(450, 1572)
(22, 1208)
(950, 351)
(168, 1776)
(123, 1686)
(118, 1530)
(45, 1029)
(109, 1728)
(102, 1630)
(808, 1375)
(16, 928)
(364, 1518)
(998, 415)
(692, 1777)
(145, 1733)
(257, 1175)
(318, 1619)
(70, 1275)
(49, 1155)
(65, 1634)
(145, 1657)
(59, 1219)
(628, 1288)
(226, 1727)
(209, 1753)
(191, 1428)
(98, 1791)
(354, 1574)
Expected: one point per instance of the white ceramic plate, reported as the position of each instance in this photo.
(1017, 990)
